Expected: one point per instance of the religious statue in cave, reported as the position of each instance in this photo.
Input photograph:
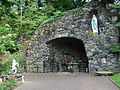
(14, 67)
(94, 24)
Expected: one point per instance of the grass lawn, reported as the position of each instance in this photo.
(116, 79)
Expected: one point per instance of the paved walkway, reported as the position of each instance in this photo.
(66, 82)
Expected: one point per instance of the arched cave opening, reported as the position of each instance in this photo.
(66, 55)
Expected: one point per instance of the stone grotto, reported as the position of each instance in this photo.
(69, 45)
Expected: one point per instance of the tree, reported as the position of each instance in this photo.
(66, 4)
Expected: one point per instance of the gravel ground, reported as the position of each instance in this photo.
(66, 81)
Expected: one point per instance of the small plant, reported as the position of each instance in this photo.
(90, 33)
(114, 48)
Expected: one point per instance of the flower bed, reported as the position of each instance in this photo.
(8, 84)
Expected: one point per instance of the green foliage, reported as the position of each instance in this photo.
(7, 45)
(66, 4)
(118, 24)
(19, 57)
(25, 21)
(5, 29)
(20, 22)
(5, 67)
(114, 48)
(116, 5)
(51, 14)
(25, 17)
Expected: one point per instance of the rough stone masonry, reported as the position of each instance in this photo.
(71, 38)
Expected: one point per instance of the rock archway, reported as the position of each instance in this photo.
(65, 52)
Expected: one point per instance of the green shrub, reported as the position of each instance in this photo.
(5, 67)
(7, 44)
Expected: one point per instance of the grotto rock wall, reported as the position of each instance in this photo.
(77, 24)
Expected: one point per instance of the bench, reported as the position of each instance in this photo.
(104, 73)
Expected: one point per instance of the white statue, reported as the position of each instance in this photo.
(14, 66)
(94, 24)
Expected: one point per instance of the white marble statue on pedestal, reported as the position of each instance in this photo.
(94, 24)
(14, 66)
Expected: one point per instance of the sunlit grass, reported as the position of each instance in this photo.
(116, 79)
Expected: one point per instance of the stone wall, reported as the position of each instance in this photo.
(77, 24)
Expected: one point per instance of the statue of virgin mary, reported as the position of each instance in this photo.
(94, 24)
